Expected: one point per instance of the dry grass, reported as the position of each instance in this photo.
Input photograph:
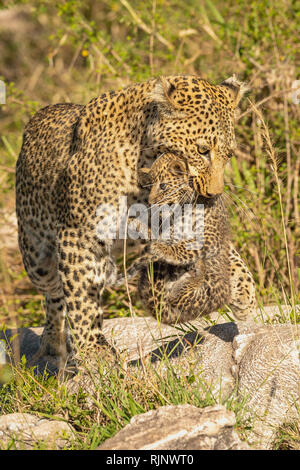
(72, 51)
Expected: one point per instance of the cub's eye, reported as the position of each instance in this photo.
(203, 151)
(163, 186)
(230, 154)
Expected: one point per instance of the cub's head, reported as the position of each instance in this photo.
(195, 120)
(169, 181)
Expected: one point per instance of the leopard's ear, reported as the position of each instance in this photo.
(162, 95)
(234, 90)
(144, 176)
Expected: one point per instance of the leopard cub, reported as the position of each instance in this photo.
(182, 277)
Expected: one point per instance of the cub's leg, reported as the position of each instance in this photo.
(175, 254)
(234, 286)
(202, 293)
(242, 300)
(176, 294)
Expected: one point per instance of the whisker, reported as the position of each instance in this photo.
(245, 210)
(147, 185)
(242, 187)
(169, 194)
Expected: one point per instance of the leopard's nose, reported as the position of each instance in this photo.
(215, 189)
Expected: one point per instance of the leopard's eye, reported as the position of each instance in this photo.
(203, 151)
(163, 186)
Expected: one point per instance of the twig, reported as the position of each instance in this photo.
(75, 55)
(296, 189)
(261, 275)
(105, 44)
(144, 27)
(242, 155)
(288, 159)
(55, 52)
(104, 59)
(272, 155)
(277, 93)
(151, 43)
(193, 58)
(179, 51)
(6, 168)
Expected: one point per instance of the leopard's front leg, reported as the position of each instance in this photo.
(84, 265)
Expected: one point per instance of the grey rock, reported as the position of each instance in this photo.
(181, 427)
(260, 362)
(268, 374)
(27, 431)
(253, 360)
(25, 342)
(135, 337)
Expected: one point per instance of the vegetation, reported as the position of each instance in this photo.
(72, 50)
(114, 396)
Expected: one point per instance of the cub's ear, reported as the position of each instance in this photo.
(234, 90)
(178, 167)
(162, 95)
(144, 176)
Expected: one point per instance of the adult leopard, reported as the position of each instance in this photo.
(77, 158)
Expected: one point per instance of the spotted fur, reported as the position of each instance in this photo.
(177, 280)
(75, 158)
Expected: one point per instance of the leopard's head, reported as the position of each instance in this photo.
(195, 120)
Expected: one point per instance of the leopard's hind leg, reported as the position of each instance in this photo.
(39, 253)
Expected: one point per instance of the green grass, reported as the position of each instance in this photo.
(116, 397)
(115, 394)
(82, 49)
(288, 437)
(76, 50)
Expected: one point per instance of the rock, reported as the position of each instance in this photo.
(25, 342)
(136, 337)
(26, 431)
(181, 427)
(259, 362)
(268, 373)
(250, 359)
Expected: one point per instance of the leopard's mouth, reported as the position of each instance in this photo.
(196, 185)
(197, 181)
(199, 187)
